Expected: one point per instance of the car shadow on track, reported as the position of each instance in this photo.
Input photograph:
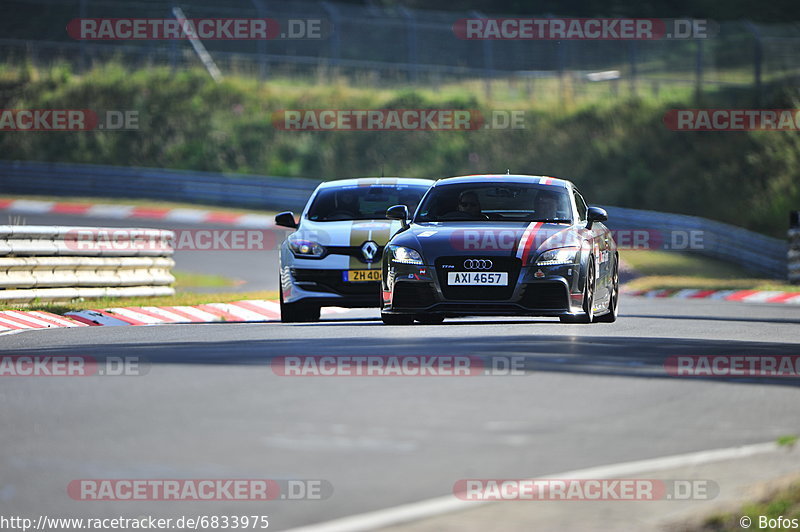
(637, 357)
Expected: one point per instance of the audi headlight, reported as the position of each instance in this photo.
(552, 257)
(405, 255)
(303, 247)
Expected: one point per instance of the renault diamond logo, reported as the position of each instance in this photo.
(369, 250)
(478, 264)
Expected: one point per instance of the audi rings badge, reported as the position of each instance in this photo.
(478, 264)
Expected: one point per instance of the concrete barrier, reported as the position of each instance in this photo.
(56, 263)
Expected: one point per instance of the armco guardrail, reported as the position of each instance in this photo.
(252, 191)
(53, 263)
(754, 251)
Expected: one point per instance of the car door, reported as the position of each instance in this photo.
(599, 239)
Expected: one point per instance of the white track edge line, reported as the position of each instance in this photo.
(449, 503)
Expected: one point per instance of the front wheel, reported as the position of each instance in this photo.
(397, 319)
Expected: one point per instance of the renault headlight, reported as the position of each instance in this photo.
(553, 257)
(405, 255)
(304, 247)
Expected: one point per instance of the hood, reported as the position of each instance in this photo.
(349, 232)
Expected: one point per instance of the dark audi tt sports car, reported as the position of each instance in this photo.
(500, 245)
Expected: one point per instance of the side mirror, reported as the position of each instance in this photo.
(595, 214)
(286, 219)
(398, 212)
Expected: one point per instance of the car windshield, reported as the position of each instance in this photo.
(359, 202)
(496, 201)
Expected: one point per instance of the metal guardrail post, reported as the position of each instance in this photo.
(335, 39)
(758, 55)
(698, 72)
(634, 60)
(488, 64)
(84, 60)
(793, 253)
(413, 59)
(199, 47)
(261, 44)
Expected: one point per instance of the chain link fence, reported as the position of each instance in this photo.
(377, 47)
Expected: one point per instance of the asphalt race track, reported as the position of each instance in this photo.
(210, 406)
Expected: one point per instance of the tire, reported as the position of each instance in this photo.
(588, 299)
(397, 319)
(299, 312)
(613, 304)
(429, 319)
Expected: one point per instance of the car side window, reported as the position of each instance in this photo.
(580, 204)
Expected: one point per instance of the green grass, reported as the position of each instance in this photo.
(673, 282)
(184, 280)
(615, 147)
(780, 502)
(663, 270)
(648, 262)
